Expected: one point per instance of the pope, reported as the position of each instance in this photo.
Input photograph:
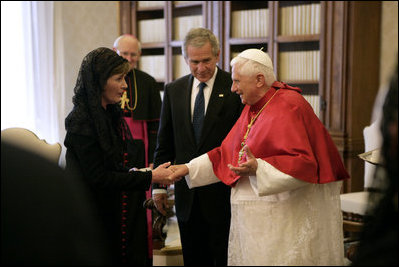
(285, 171)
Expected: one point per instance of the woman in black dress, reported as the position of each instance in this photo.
(101, 150)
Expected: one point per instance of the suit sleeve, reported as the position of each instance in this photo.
(153, 124)
(165, 148)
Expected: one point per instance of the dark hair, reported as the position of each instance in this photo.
(124, 68)
(88, 117)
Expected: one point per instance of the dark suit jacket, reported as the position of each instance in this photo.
(176, 141)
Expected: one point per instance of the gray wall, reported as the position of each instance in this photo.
(81, 26)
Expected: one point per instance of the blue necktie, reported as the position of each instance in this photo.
(199, 110)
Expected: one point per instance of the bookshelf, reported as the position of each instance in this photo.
(296, 47)
(183, 16)
(289, 32)
(241, 29)
(330, 49)
(161, 26)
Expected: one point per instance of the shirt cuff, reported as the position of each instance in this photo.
(159, 191)
(269, 180)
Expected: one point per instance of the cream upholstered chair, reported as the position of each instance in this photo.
(354, 204)
(28, 140)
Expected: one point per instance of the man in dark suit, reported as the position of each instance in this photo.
(198, 111)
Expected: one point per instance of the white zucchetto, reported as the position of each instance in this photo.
(258, 56)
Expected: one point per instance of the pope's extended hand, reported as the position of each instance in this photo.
(178, 171)
(247, 168)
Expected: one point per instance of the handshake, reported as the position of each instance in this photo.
(167, 174)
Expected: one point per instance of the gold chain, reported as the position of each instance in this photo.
(125, 100)
(241, 153)
(135, 91)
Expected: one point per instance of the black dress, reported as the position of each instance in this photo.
(119, 196)
(145, 100)
(100, 149)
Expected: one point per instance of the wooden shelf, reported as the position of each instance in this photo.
(350, 226)
(150, 9)
(188, 4)
(176, 43)
(298, 38)
(152, 45)
(243, 41)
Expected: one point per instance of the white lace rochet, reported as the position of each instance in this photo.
(279, 220)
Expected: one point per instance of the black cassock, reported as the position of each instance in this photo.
(144, 107)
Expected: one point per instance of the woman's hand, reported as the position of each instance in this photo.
(164, 175)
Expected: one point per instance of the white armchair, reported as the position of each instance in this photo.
(354, 204)
(28, 140)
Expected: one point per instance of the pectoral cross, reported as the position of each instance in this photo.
(241, 153)
(125, 101)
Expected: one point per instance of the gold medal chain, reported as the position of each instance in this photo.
(241, 153)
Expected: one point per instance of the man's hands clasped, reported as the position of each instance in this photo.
(172, 173)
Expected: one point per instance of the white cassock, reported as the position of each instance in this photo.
(277, 219)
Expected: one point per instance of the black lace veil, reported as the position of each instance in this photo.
(88, 117)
